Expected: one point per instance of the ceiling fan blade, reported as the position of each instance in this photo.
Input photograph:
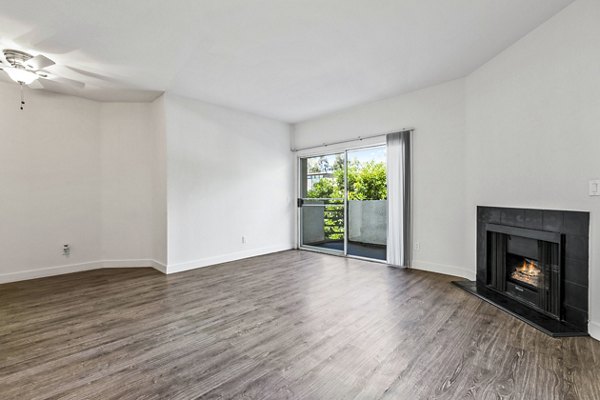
(66, 81)
(39, 62)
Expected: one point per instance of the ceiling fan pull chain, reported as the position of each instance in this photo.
(22, 96)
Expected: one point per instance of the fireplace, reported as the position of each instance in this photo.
(525, 265)
(534, 265)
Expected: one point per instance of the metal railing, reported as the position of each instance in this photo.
(333, 222)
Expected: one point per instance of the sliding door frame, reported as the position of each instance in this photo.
(325, 151)
(299, 188)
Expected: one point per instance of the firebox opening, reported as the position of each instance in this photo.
(523, 270)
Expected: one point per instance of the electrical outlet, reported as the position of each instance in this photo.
(243, 239)
(417, 246)
(66, 250)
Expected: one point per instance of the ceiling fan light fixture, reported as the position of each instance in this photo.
(21, 75)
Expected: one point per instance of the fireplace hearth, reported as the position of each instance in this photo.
(534, 265)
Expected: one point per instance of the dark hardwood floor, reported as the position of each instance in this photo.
(291, 325)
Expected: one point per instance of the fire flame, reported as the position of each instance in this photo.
(528, 272)
(528, 267)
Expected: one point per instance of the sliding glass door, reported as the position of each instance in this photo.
(367, 202)
(343, 203)
(322, 204)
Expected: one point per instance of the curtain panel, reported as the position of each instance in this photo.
(399, 199)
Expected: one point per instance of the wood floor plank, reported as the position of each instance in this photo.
(290, 325)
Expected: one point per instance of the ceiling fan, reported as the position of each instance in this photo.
(25, 69)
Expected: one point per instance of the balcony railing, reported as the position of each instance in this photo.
(333, 223)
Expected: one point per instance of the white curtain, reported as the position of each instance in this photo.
(399, 214)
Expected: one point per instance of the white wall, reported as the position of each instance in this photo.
(229, 174)
(159, 185)
(127, 154)
(79, 172)
(50, 182)
(533, 127)
(94, 175)
(438, 115)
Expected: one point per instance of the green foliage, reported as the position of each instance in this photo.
(334, 223)
(365, 182)
(325, 188)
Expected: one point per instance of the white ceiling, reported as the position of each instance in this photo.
(286, 59)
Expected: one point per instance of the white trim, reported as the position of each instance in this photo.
(135, 263)
(594, 329)
(49, 271)
(209, 261)
(443, 269)
(159, 266)
(130, 263)
(86, 266)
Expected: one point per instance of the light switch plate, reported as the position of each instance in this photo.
(595, 187)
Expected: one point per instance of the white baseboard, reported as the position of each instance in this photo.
(443, 269)
(49, 271)
(208, 261)
(86, 266)
(135, 263)
(594, 329)
(159, 266)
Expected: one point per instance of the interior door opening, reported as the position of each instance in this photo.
(343, 203)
